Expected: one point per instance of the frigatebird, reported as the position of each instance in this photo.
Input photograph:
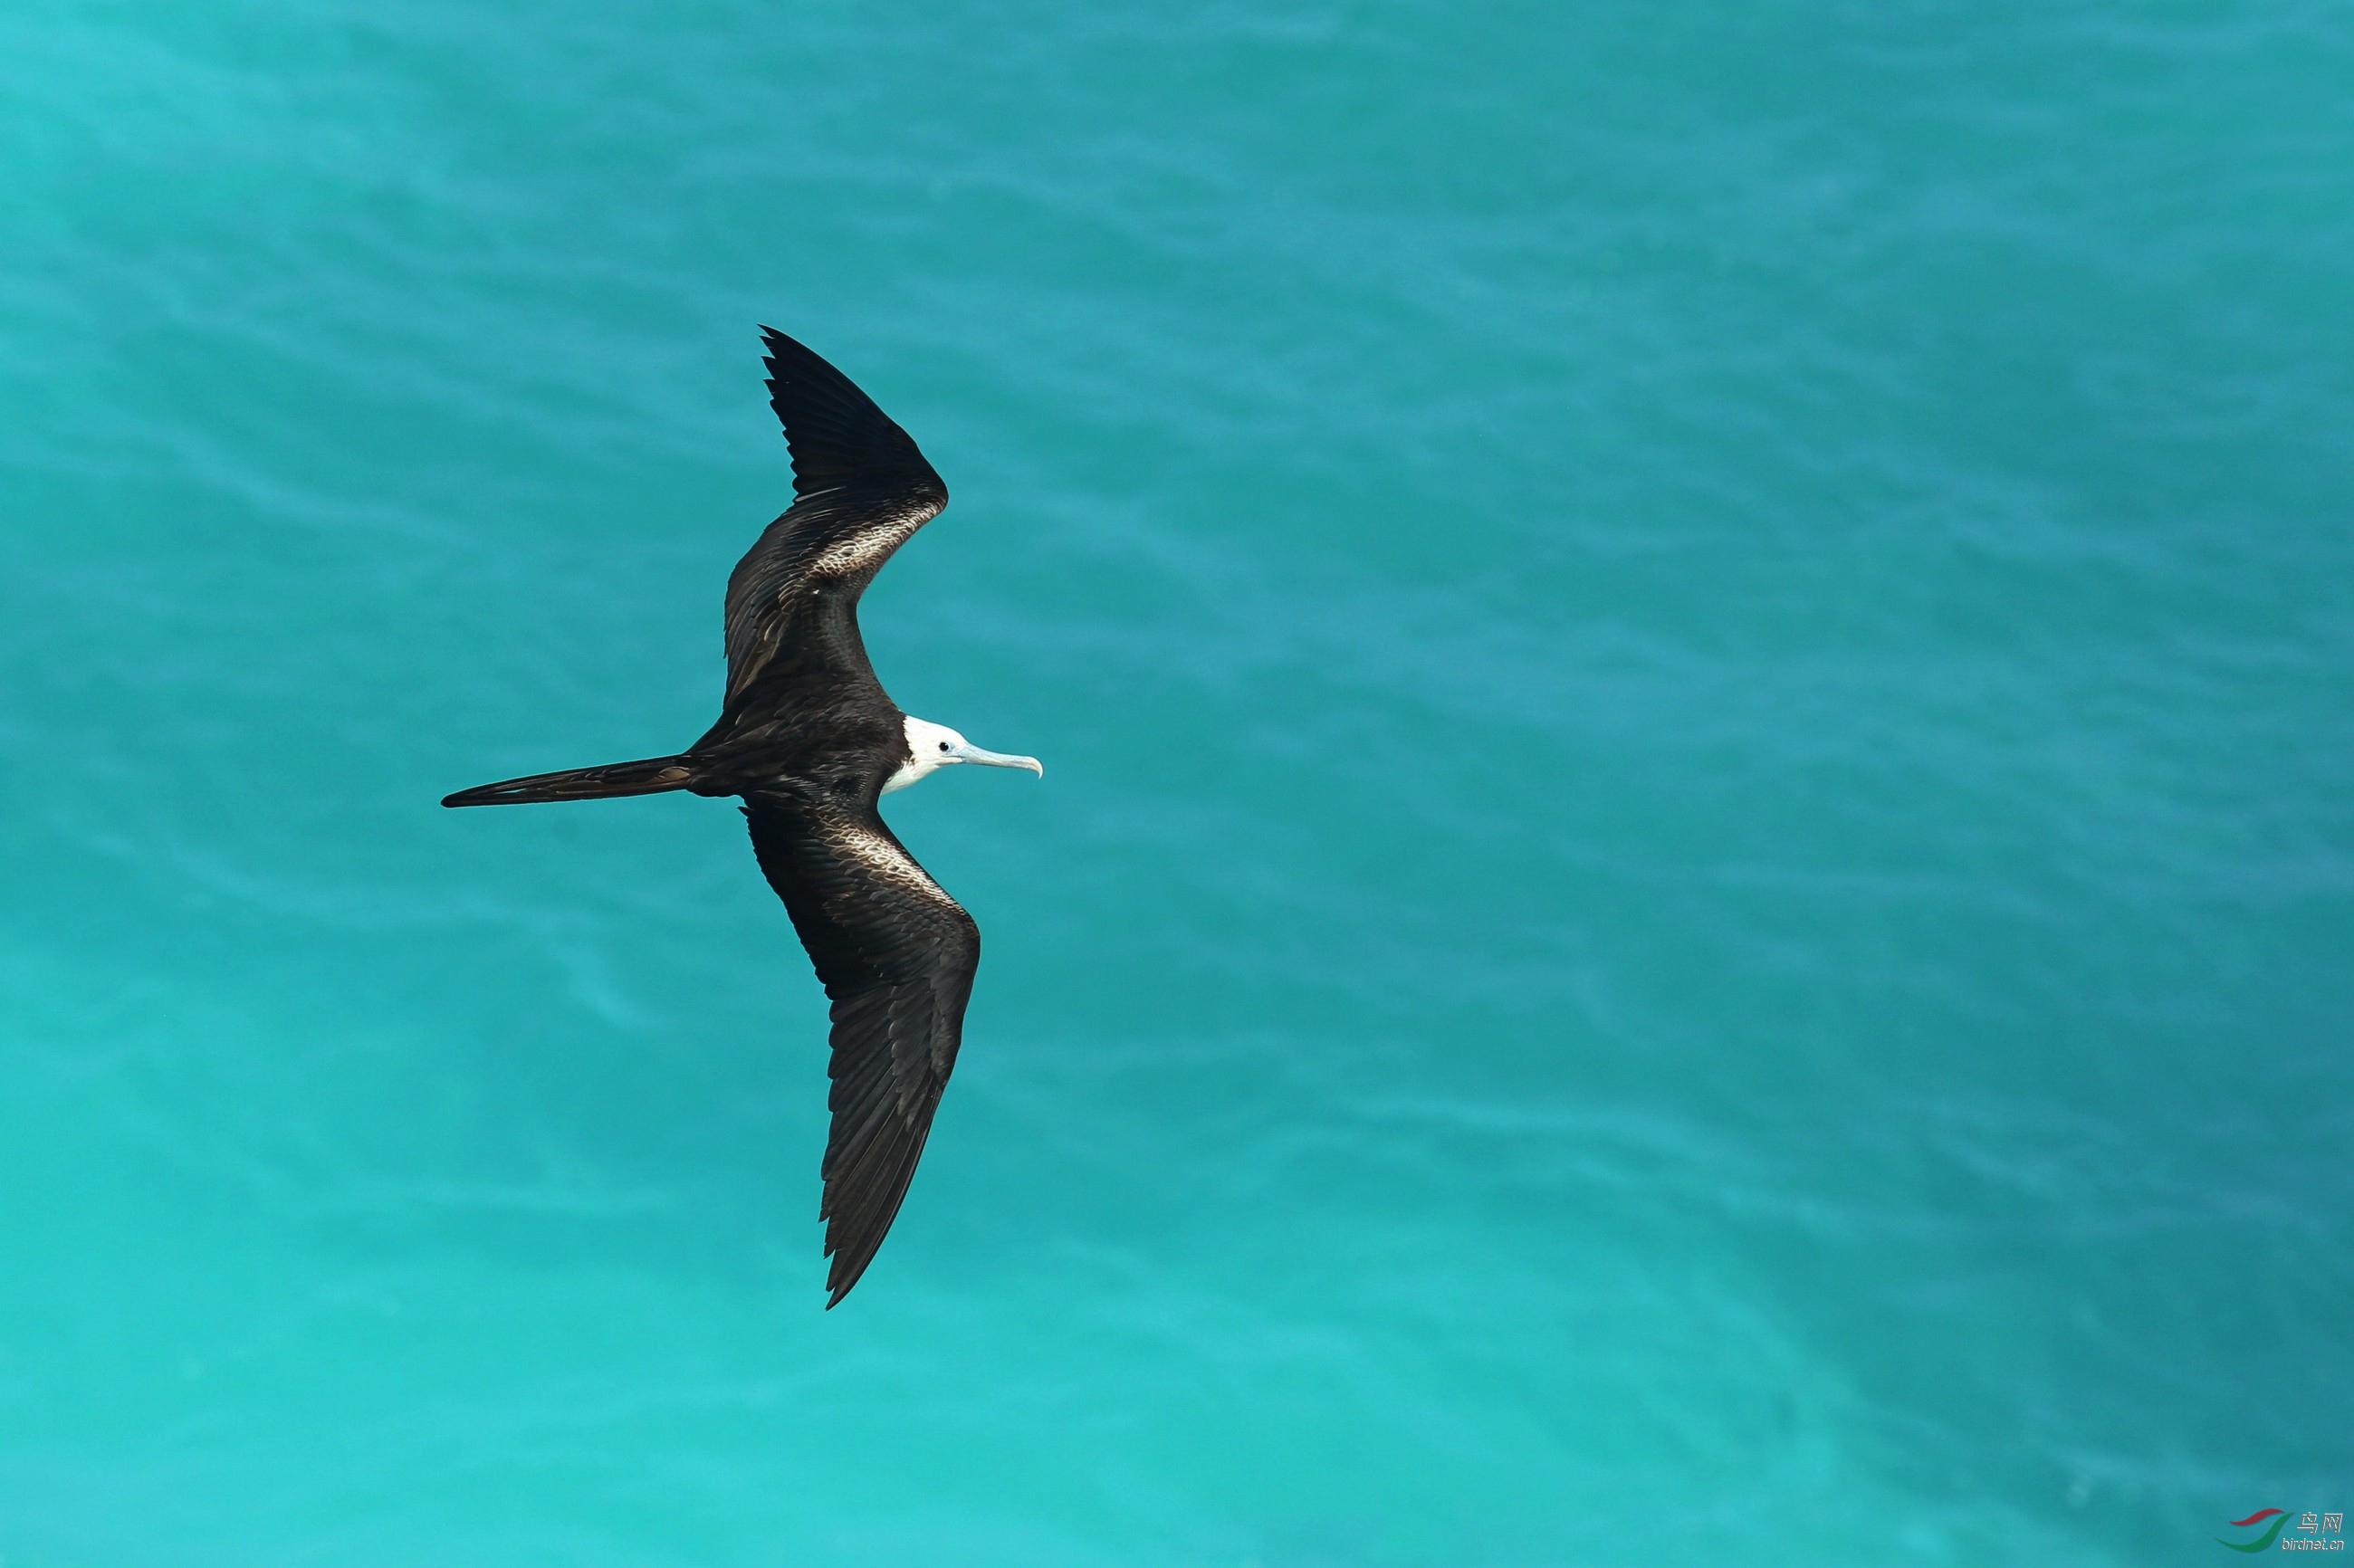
(810, 741)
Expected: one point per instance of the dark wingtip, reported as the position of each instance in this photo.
(843, 1269)
(839, 1287)
(849, 1257)
(776, 344)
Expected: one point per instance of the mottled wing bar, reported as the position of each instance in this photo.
(846, 535)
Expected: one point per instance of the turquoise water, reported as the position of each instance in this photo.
(1693, 894)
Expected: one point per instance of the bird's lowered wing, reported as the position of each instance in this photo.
(897, 956)
(864, 489)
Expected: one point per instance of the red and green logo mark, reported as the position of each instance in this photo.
(2315, 1531)
(2271, 1531)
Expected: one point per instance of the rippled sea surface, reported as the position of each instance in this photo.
(1695, 898)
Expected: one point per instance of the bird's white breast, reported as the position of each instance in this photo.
(924, 755)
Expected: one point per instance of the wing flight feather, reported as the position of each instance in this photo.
(897, 954)
(862, 487)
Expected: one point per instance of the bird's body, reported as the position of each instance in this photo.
(809, 740)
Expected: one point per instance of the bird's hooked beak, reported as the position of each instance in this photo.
(965, 751)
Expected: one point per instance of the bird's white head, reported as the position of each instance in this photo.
(932, 746)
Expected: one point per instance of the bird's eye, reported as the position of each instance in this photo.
(944, 746)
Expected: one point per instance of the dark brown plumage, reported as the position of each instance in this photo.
(809, 739)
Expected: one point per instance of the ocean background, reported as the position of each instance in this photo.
(1693, 902)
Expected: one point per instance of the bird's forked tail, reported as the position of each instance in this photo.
(650, 776)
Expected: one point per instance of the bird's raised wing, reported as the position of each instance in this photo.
(897, 956)
(864, 489)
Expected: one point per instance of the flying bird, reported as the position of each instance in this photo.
(810, 741)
